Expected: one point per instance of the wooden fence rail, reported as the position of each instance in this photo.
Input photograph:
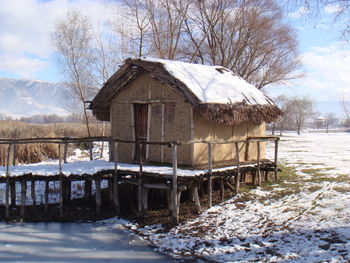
(142, 187)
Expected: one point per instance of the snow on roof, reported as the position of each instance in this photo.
(213, 84)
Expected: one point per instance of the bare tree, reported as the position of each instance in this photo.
(301, 109)
(72, 39)
(247, 36)
(283, 102)
(339, 8)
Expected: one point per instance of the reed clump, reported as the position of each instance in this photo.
(37, 152)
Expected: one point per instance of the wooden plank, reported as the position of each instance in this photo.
(157, 186)
(174, 199)
(210, 174)
(238, 174)
(258, 165)
(276, 159)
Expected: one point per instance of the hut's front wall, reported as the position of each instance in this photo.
(225, 154)
(169, 119)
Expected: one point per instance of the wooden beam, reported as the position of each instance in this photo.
(65, 152)
(174, 198)
(61, 179)
(13, 193)
(139, 179)
(258, 165)
(47, 185)
(23, 197)
(14, 152)
(115, 181)
(90, 151)
(7, 193)
(238, 175)
(32, 188)
(98, 196)
(210, 174)
(275, 161)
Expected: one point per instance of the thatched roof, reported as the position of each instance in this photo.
(214, 92)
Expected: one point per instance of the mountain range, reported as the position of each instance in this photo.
(24, 98)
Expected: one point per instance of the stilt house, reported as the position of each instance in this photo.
(163, 100)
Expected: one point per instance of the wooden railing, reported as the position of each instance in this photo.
(64, 141)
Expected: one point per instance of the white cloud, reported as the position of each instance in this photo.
(327, 75)
(299, 13)
(332, 8)
(26, 27)
(328, 70)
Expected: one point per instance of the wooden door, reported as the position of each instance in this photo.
(141, 120)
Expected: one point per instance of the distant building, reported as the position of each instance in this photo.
(162, 100)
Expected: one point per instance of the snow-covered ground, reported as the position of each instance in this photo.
(306, 218)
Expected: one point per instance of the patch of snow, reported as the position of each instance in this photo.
(305, 221)
(213, 84)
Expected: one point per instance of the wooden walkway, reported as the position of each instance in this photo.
(171, 179)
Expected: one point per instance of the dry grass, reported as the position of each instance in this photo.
(32, 153)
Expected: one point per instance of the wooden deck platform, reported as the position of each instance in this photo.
(171, 179)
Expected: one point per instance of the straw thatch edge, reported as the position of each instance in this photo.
(236, 113)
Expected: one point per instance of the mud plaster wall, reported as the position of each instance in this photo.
(169, 119)
(224, 154)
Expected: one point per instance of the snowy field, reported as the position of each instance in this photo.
(306, 218)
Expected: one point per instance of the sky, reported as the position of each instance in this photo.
(26, 50)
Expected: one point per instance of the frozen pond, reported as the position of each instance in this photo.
(73, 242)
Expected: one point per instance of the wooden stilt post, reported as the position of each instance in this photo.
(61, 179)
(115, 181)
(23, 196)
(98, 196)
(47, 185)
(196, 198)
(140, 187)
(87, 188)
(174, 198)
(145, 199)
(222, 189)
(7, 193)
(32, 190)
(276, 154)
(258, 159)
(90, 151)
(65, 152)
(111, 151)
(110, 189)
(238, 175)
(67, 190)
(210, 173)
(13, 193)
(14, 154)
